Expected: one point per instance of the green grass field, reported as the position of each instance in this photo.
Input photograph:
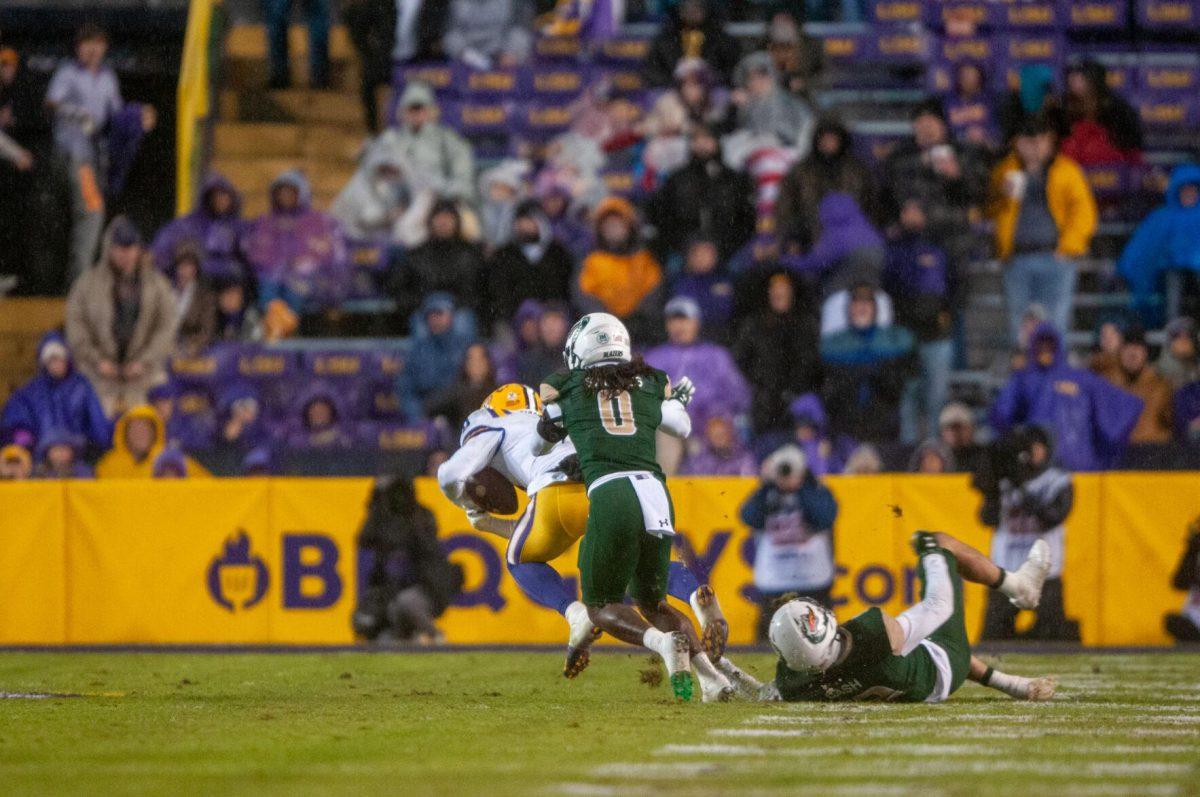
(507, 724)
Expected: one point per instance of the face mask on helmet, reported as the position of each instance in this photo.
(597, 339)
(804, 634)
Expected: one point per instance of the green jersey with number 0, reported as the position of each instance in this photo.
(612, 432)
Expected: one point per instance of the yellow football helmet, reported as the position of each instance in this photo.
(513, 397)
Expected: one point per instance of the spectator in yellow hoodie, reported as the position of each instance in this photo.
(138, 440)
(1045, 216)
(620, 276)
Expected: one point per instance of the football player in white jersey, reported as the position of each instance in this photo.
(502, 434)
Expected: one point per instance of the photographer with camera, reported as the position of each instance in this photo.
(410, 581)
(1026, 497)
(791, 516)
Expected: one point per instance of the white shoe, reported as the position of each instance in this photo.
(583, 634)
(1041, 689)
(675, 653)
(747, 686)
(1025, 585)
(714, 686)
(714, 628)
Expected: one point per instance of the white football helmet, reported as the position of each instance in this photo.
(596, 339)
(805, 635)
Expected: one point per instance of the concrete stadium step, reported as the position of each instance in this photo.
(321, 107)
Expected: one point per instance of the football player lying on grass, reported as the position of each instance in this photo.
(500, 448)
(920, 656)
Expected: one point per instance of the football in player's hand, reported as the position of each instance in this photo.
(492, 493)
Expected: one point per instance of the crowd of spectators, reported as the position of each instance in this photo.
(815, 298)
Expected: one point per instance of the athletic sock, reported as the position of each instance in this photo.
(999, 582)
(1011, 685)
(653, 639)
(543, 585)
(681, 582)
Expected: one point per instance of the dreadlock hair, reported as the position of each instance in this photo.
(609, 379)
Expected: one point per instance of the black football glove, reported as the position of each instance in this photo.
(550, 426)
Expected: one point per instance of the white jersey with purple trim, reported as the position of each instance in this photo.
(510, 444)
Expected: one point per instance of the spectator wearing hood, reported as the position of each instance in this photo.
(776, 351)
(830, 167)
(1110, 336)
(446, 262)
(1089, 418)
(970, 110)
(621, 276)
(434, 358)
(1179, 362)
(694, 29)
(950, 181)
(1133, 373)
(824, 454)
(917, 276)
(848, 249)
(698, 90)
(791, 516)
(558, 203)
(720, 453)
(521, 336)
(956, 429)
(489, 33)
(298, 252)
(439, 158)
(1044, 215)
(378, 204)
(1102, 127)
(58, 398)
(532, 265)
(704, 281)
(764, 108)
(1167, 240)
(60, 456)
(704, 198)
(16, 463)
(171, 463)
(215, 226)
(409, 580)
(544, 357)
(721, 390)
(476, 379)
(240, 426)
(195, 302)
(320, 421)
(932, 456)
(502, 189)
(138, 439)
(121, 320)
(866, 368)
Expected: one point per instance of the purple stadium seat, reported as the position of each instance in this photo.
(212, 367)
(481, 117)
(439, 76)
(1167, 14)
(557, 48)
(1168, 111)
(276, 373)
(1018, 49)
(544, 120)
(1167, 78)
(1108, 182)
(948, 52)
(384, 436)
(845, 48)
(622, 80)
(892, 46)
(1093, 14)
(492, 83)
(368, 260)
(980, 13)
(624, 51)
(553, 81)
(888, 12)
(622, 182)
(1033, 15)
(195, 419)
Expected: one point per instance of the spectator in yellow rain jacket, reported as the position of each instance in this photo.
(138, 440)
(620, 276)
(1045, 216)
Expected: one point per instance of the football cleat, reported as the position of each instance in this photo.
(1025, 585)
(583, 634)
(714, 686)
(713, 625)
(675, 652)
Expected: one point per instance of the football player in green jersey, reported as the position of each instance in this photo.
(922, 655)
(612, 404)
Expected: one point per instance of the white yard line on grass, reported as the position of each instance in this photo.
(916, 749)
(955, 732)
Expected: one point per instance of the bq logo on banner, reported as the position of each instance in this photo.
(238, 578)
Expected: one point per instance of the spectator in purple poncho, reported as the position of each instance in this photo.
(703, 281)
(825, 453)
(566, 225)
(59, 397)
(59, 455)
(216, 226)
(241, 427)
(1090, 418)
(298, 252)
(319, 421)
(848, 248)
(721, 453)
